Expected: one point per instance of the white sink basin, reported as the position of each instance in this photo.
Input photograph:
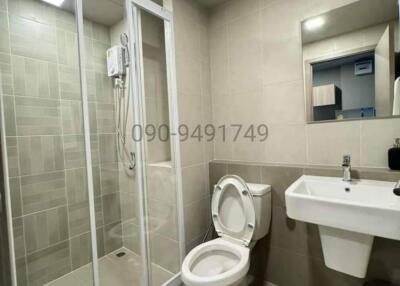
(349, 215)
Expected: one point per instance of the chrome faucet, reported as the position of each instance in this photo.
(346, 168)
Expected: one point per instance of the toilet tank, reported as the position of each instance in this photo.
(262, 208)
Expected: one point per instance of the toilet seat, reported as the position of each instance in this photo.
(237, 222)
(225, 260)
(218, 262)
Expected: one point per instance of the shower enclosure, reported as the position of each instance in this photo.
(91, 168)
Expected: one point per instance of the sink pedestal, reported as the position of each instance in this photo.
(346, 251)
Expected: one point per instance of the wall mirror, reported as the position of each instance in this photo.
(351, 58)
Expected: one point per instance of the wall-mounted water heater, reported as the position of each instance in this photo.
(116, 61)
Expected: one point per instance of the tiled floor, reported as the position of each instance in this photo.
(113, 271)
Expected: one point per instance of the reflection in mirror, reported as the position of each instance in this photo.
(351, 59)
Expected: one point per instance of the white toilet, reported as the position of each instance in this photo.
(241, 214)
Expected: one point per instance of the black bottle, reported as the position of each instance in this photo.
(394, 155)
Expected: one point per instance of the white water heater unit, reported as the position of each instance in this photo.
(116, 61)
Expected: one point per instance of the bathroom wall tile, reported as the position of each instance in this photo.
(161, 184)
(19, 238)
(282, 61)
(163, 219)
(196, 218)
(105, 118)
(107, 148)
(112, 237)
(188, 76)
(48, 264)
(78, 218)
(92, 117)
(216, 172)
(287, 97)
(338, 139)
(76, 184)
(67, 45)
(249, 173)
(111, 208)
(12, 156)
(40, 192)
(128, 203)
(5, 42)
(377, 137)
(81, 249)
(294, 236)
(100, 33)
(65, 20)
(69, 82)
(279, 178)
(5, 74)
(72, 121)
(37, 116)
(46, 228)
(9, 116)
(280, 146)
(109, 178)
(131, 236)
(194, 184)
(99, 49)
(39, 154)
(103, 87)
(32, 10)
(15, 191)
(165, 252)
(187, 37)
(74, 149)
(35, 78)
(20, 265)
(33, 39)
(3, 4)
(192, 152)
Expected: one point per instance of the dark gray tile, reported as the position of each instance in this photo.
(37, 116)
(40, 154)
(280, 178)
(16, 203)
(105, 118)
(43, 229)
(48, 264)
(41, 192)
(77, 184)
(109, 178)
(323, 171)
(103, 87)
(111, 208)
(35, 78)
(108, 150)
(249, 173)
(9, 116)
(67, 44)
(69, 83)
(74, 148)
(22, 278)
(79, 218)
(32, 39)
(216, 171)
(112, 237)
(19, 238)
(294, 236)
(12, 155)
(6, 74)
(72, 116)
(4, 43)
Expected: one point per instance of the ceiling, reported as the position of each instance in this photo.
(109, 12)
(360, 14)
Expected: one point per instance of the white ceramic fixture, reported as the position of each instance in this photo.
(348, 214)
(241, 213)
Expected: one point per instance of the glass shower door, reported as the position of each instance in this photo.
(155, 136)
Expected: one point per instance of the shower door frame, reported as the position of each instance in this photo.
(133, 14)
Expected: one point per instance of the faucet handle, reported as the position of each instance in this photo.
(346, 160)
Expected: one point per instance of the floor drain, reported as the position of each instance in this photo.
(120, 254)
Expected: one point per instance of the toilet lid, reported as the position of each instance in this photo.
(232, 210)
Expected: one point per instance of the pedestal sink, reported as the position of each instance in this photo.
(348, 214)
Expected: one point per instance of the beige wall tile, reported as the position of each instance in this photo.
(327, 143)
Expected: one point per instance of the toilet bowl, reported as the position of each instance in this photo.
(217, 262)
(241, 214)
